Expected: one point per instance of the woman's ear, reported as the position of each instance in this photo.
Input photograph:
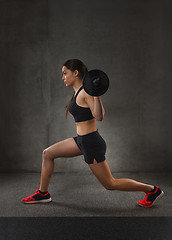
(76, 73)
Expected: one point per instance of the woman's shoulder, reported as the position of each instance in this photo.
(84, 94)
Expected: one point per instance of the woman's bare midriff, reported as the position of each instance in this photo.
(86, 127)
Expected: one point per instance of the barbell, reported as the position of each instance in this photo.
(95, 82)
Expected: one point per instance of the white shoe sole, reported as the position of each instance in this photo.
(40, 201)
(160, 196)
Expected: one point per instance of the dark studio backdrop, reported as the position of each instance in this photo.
(129, 40)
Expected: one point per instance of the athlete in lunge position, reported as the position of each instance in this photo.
(86, 109)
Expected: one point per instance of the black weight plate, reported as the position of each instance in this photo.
(95, 82)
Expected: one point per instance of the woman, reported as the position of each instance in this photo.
(86, 110)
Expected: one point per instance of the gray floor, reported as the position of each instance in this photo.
(80, 194)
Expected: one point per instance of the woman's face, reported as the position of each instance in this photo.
(68, 76)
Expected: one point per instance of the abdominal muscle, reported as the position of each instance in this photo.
(86, 127)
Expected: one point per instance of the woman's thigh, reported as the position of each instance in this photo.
(102, 172)
(65, 148)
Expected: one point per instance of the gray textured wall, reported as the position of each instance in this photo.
(129, 40)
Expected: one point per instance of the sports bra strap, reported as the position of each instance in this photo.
(79, 91)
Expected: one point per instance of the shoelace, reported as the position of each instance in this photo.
(37, 191)
(146, 197)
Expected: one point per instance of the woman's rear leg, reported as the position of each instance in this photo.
(65, 148)
(102, 172)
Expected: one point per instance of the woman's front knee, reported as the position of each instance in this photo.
(47, 154)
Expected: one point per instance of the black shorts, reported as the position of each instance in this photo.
(92, 146)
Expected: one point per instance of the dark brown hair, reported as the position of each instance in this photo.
(75, 64)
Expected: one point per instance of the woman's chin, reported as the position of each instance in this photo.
(67, 85)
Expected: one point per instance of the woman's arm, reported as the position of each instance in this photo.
(96, 106)
(98, 109)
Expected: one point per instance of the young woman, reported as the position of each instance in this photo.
(86, 110)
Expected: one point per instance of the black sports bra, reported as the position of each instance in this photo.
(79, 113)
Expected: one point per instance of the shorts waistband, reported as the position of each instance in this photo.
(88, 133)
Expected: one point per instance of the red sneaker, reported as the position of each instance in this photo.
(38, 197)
(151, 198)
